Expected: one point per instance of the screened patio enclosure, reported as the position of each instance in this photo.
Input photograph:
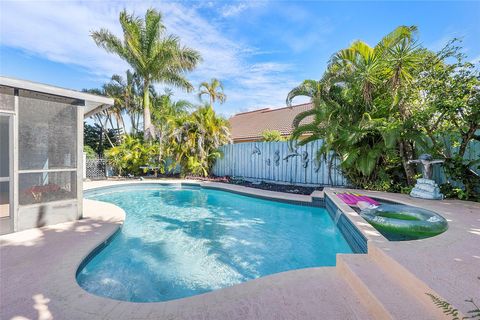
(41, 153)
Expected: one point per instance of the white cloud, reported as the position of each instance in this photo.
(60, 32)
(440, 43)
(235, 9)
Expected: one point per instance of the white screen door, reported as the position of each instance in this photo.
(5, 173)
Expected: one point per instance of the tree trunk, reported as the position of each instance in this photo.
(148, 132)
(466, 139)
(123, 124)
(104, 128)
(133, 120)
(137, 122)
(406, 154)
(100, 144)
(111, 122)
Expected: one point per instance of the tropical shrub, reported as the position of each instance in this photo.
(272, 136)
(90, 153)
(133, 153)
(195, 139)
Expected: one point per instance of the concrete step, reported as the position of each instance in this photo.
(385, 294)
(334, 298)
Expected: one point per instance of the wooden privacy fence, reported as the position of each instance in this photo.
(276, 162)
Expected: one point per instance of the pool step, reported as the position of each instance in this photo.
(314, 293)
(385, 293)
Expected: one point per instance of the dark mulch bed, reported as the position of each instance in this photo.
(263, 185)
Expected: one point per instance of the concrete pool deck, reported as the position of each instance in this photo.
(38, 266)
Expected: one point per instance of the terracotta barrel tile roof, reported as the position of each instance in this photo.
(250, 125)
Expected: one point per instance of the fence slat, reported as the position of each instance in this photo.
(239, 160)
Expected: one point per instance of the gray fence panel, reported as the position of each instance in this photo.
(471, 153)
(276, 162)
(266, 161)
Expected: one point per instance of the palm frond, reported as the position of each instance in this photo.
(308, 88)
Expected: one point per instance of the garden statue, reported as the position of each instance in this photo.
(427, 161)
(426, 188)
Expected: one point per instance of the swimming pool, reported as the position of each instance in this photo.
(179, 241)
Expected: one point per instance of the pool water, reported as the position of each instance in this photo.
(182, 241)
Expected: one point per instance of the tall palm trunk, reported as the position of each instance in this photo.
(147, 120)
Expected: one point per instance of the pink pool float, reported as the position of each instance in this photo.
(352, 199)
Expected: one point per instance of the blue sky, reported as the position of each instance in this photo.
(259, 49)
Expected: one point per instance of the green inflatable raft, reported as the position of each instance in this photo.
(403, 220)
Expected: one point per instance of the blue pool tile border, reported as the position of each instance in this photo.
(356, 240)
(296, 202)
(95, 251)
(317, 202)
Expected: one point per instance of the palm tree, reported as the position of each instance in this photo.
(196, 139)
(103, 118)
(214, 90)
(366, 65)
(126, 93)
(153, 55)
(355, 104)
(166, 108)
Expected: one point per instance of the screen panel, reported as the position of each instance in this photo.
(45, 187)
(7, 99)
(47, 131)
(4, 199)
(4, 146)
